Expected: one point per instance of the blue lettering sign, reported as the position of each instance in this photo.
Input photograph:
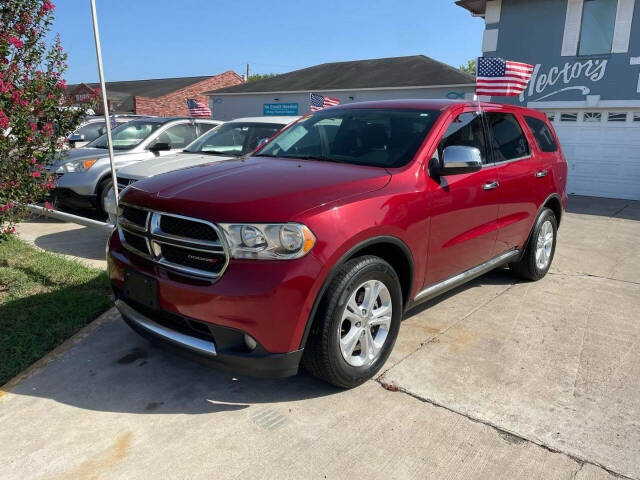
(279, 109)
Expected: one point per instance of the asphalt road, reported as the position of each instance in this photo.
(498, 379)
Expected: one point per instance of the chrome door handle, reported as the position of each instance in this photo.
(541, 173)
(490, 185)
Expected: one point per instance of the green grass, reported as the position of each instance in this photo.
(44, 299)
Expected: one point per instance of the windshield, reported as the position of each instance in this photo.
(375, 137)
(127, 136)
(234, 139)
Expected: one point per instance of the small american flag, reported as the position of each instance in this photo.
(499, 77)
(198, 109)
(318, 102)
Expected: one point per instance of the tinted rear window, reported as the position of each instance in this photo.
(508, 140)
(542, 134)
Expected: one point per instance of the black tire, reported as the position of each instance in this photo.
(103, 189)
(527, 267)
(323, 357)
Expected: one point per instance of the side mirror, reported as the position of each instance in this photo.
(458, 159)
(160, 147)
(73, 138)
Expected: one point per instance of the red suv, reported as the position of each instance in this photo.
(312, 248)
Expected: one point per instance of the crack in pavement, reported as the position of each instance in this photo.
(391, 387)
(575, 474)
(591, 275)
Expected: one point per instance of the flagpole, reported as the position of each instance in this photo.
(105, 103)
(475, 95)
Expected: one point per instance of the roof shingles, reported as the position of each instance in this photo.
(411, 71)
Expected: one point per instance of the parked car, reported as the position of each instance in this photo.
(229, 140)
(84, 174)
(94, 127)
(313, 249)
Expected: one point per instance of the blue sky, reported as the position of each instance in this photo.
(160, 38)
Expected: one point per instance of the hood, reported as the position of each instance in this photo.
(81, 154)
(167, 164)
(254, 189)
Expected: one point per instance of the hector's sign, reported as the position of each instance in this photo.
(562, 79)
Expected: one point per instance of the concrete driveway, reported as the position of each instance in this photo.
(498, 379)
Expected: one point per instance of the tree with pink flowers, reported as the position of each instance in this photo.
(35, 114)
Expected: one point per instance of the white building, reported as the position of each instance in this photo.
(356, 81)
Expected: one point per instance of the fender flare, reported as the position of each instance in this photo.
(535, 222)
(343, 259)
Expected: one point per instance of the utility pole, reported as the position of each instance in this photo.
(246, 78)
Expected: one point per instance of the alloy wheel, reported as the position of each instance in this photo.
(544, 245)
(365, 323)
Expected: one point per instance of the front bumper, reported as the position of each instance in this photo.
(269, 300)
(227, 354)
(69, 198)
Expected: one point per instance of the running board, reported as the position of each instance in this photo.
(453, 282)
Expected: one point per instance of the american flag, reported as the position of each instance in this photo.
(499, 77)
(318, 102)
(198, 109)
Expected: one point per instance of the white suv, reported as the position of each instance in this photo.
(229, 140)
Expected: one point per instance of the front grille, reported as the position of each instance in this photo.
(207, 261)
(135, 216)
(136, 241)
(190, 246)
(187, 228)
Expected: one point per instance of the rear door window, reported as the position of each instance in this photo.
(465, 130)
(507, 138)
(91, 131)
(178, 136)
(542, 134)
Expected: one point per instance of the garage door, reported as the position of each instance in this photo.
(603, 152)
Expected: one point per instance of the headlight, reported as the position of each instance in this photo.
(76, 166)
(268, 241)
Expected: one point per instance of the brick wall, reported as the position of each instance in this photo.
(175, 103)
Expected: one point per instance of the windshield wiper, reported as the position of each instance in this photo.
(311, 157)
(214, 152)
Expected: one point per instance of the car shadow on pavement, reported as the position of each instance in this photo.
(113, 369)
(604, 207)
(87, 243)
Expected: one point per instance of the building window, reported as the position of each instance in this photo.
(592, 116)
(598, 23)
(616, 117)
(568, 117)
(636, 116)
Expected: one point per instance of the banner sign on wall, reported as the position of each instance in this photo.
(279, 109)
